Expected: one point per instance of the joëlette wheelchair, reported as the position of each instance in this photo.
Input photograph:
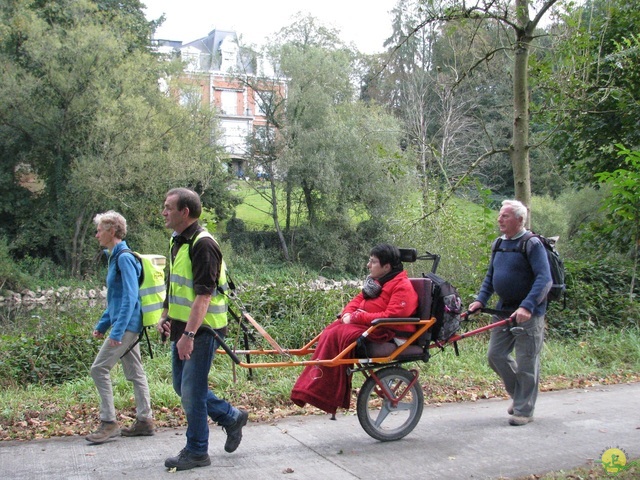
(390, 401)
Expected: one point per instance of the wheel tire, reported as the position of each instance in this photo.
(377, 415)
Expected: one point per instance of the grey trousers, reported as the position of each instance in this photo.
(132, 368)
(520, 375)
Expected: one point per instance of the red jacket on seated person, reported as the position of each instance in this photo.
(396, 300)
(390, 296)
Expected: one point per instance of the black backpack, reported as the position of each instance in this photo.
(558, 289)
(446, 307)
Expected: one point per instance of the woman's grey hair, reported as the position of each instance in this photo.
(112, 220)
(519, 210)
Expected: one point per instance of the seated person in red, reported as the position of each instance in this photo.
(387, 292)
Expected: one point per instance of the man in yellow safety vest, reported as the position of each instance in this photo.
(195, 311)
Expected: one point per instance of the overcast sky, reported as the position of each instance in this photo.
(367, 23)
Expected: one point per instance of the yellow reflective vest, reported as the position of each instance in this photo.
(182, 294)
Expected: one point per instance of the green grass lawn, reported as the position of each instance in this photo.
(255, 209)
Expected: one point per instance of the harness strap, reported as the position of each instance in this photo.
(264, 333)
(146, 335)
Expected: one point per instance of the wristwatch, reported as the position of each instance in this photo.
(191, 335)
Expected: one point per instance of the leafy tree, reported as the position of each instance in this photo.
(82, 118)
(623, 205)
(520, 19)
(594, 86)
(454, 109)
(266, 144)
(337, 157)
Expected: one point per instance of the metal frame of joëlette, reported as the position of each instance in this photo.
(343, 357)
(407, 255)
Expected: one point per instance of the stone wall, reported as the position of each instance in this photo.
(51, 296)
(94, 296)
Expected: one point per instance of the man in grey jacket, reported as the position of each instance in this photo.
(521, 279)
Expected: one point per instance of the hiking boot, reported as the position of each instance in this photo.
(517, 420)
(234, 432)
(140, 428)
(106, 431)
(187, 460)
(510, 409)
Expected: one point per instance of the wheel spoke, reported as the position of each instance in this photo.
(404, 406)
(378, 415)
(382, 415)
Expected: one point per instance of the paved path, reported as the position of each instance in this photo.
(469, 440)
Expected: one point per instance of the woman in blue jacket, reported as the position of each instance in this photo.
(124, 317)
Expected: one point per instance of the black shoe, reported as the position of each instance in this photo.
(187, 460)
(234, 432)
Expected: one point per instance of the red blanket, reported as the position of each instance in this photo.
(329, 388)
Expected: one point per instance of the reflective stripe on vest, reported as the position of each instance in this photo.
(187, 282)
(182, 294)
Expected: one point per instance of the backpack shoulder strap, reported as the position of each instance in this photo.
(496, 244)
(521, 246)
(494, 248)
(524, 241)
(192, 240)
(115, 259)
(136, 256)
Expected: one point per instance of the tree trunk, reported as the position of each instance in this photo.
(276, 217)
(77, 244)
(519, 150)
(308, 198)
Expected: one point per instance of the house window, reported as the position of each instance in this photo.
(229, 54)
(192, 60)
(259, 103)
(235, 136)
(229, 102)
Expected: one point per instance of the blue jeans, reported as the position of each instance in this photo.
(521, 375)
(190, 381)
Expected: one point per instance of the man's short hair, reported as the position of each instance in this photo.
(187, 199)
(519, 210)
(112, 220)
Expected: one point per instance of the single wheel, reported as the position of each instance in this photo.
(393, 413)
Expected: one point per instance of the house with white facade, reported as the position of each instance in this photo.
(216, 66)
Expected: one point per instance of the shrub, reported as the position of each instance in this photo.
(597, 297)
(43, 271)
(48, 346)
(291, 313)
(582, 208)
(548, 217)
(248, 241)
(327, 246)
(11, 276)
(46, 360)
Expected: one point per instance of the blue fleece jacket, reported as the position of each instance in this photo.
(519, 280)
(123, 301)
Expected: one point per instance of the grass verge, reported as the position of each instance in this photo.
(72, 408)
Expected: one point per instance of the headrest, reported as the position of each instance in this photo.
(408, 254)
